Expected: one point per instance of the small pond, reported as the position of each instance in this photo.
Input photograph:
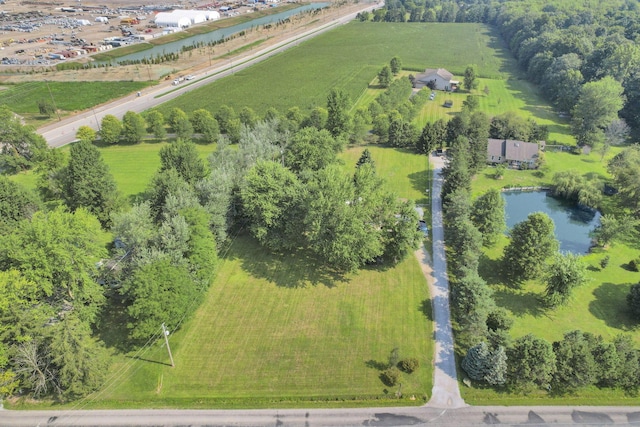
(573, 224)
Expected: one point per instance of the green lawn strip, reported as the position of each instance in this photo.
(593, 396)
(590, 165)
(114, 54)
(281, 329)
(132, 166)
(348, 58)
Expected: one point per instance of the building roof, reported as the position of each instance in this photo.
(512, 150)
(432, 72)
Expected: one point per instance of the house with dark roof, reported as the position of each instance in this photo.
(516, 154)
(440, 79)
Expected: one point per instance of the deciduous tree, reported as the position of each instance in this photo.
(110, 129)
(597, 107)
(21, 147)
(85, 133)
(470, 80)
(133, 127)
(566, 272)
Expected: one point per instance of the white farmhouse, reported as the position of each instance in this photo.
(440, 78)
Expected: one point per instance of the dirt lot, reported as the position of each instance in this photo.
(189, 62)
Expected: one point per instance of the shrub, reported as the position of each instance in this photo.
(634, 264)
(409, 365)
(390, 376)
(604, 262)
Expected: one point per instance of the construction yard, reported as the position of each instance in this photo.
(42, 28)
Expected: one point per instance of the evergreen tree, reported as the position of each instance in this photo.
(532, 243)
(532, 363)
(338, 120)
(395, 65)
(385, 77)
(566, 272)
(86, 182)
(487, 214)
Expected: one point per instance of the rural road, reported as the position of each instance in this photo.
(63, 132)
(410, 416)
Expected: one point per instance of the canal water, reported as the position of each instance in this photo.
(573, 223)
(216, 35)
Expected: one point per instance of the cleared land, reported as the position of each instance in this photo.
(281, 331)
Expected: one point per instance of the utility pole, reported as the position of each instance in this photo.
(166, 340)
(52, 101)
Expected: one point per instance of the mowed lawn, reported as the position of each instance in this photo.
(349, 58)
(404, 172)
(598, 307)
(132, 166)
(276, 330)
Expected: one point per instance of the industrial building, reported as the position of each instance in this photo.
(184, 18)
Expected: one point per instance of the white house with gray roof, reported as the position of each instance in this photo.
(441, 78)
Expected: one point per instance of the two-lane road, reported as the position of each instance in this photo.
(63, 132)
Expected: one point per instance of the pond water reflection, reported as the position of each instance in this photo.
(573, 224)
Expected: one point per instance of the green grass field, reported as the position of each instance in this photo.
(22, 98)
(279, 331)
(132, 166)
(349, 57)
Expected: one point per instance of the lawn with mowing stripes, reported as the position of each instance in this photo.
(275, 330)
(349, 57)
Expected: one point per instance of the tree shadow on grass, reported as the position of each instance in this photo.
(426, 309)
(113, 325)
(491, 270)
(377, 365)
(419, 182)
(610, 305)
(519, 303)
(295, 269)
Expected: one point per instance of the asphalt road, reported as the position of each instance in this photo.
(63, 132)
(413, 416)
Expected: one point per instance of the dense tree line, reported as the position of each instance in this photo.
(585, 58)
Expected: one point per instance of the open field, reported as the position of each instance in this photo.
(349, 58)
(276, 330)
(22, 98)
